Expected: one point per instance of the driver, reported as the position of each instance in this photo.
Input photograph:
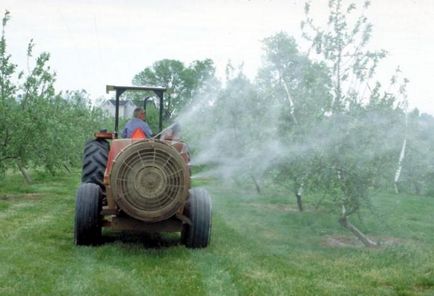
(137, 125)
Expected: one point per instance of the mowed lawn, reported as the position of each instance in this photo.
(260, 246)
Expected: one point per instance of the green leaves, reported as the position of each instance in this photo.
(182, 82)
(342, 45)
(291, 79)
(39, 127)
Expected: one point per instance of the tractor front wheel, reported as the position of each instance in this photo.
(87, 228)
(198, 210)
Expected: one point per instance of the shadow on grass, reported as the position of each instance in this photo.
(145, 240)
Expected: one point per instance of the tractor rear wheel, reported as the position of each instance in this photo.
(94, 162)
(87, 228)
(198, 210)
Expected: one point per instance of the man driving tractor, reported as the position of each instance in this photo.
(137, 127)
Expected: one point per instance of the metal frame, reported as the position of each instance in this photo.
(145, 102)
(159, 91)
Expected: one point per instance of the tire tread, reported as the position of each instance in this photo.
(87, 228)
(199, 211)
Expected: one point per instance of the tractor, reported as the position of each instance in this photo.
(140, 184)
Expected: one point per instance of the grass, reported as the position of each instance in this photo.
(260, 246)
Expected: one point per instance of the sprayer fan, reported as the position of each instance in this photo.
(149, 180)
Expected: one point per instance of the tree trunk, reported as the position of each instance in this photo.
(401, 156)
(345, 222)
(336, 104)
(398, 170)
(291, 102)
(298, 196)
(417, 187)
(258, 188)
(23, 171)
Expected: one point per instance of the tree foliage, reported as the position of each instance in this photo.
(289, 78)
(343, 46)
(418, 164)
(300, 91)
(182, 82)
(365, 126)
(39, 127)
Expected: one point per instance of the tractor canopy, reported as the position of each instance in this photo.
(159, 91)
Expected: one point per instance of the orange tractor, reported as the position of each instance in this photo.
(140, 184)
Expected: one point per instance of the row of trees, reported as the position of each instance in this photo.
(300, 105)
(39, 127)
(314, 121)
(311, 121)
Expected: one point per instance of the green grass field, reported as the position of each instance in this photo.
(260, 246)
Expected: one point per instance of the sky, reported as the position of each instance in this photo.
(93, 43)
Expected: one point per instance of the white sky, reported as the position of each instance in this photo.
(93, 43)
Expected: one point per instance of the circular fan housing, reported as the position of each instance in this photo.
(149, 180)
